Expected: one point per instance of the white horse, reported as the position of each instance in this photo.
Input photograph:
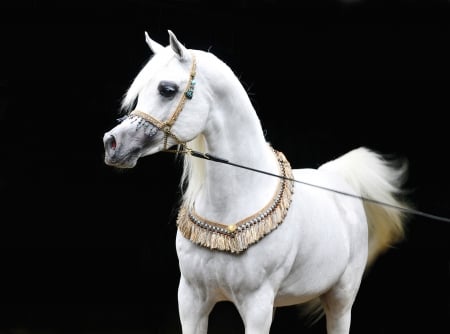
(256, 240)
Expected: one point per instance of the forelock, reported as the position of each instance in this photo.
(143, 78)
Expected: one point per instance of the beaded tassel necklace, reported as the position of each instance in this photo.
(236, 238)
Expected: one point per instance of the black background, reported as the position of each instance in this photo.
(87, 248)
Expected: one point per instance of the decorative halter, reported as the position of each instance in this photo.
(166, 126)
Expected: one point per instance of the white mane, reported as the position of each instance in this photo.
(193, 174)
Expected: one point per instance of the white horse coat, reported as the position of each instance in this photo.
(314, 249)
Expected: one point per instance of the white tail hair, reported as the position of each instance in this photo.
(373, 176)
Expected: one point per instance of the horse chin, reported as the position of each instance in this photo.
(130, 159)
(128, 162)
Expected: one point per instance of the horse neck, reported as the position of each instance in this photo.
(234, 132)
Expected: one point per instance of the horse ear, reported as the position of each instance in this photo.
(176, 46)
(154, 46)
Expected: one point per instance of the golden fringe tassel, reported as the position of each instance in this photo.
(238, 237)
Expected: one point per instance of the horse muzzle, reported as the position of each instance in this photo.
(114, 155)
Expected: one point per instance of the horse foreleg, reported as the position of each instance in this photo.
(338, 301)
(194, 308)
(338, 322)
(257, 312)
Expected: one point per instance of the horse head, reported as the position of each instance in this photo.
(160, 92)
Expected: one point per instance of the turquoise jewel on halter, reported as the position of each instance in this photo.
(190, 91)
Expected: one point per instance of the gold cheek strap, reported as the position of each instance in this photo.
(166, 126)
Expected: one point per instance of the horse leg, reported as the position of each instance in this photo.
(194, 307)
(257, 311)
(338, 321)
(338, 301)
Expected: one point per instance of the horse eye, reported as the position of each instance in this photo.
(167, 88)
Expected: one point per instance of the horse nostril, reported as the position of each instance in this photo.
(110, 143)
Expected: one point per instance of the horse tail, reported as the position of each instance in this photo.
(377, 177)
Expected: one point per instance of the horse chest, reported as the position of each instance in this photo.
(219, 270)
